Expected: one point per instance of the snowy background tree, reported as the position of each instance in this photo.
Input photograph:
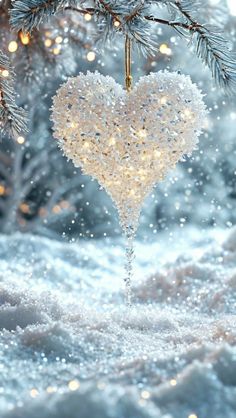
(68, 346)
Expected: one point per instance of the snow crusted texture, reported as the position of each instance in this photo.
(130, 139)
(69, 348)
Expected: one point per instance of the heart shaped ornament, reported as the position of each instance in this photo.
(128, 141)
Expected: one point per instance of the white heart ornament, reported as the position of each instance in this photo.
(128, 141)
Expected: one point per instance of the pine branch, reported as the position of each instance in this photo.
(213, 50)
(109, 10)
(173, 24)
(133, 20)
(211, 47)
(12, 118)
(28, 14)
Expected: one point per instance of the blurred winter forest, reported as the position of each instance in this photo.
(41, 192)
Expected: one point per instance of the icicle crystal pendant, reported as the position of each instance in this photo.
(128, 141)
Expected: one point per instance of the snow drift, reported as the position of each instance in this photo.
(69, 347)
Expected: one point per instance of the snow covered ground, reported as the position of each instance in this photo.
(70, 348)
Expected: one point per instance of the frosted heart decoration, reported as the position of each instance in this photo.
(128, 141)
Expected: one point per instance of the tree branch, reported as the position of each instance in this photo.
(12, 117)
(210, 46)
(61, 191)
(4, 172)
(110, 11)
(173, 24)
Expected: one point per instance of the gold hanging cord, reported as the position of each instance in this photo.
(128, 76)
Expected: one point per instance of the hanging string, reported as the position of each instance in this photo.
(129, 233)
(128, 76)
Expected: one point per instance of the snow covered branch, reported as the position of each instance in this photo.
(28, 14)
(134, 18)
(12, 117)
(210, 46)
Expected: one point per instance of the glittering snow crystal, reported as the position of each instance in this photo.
(128, 141)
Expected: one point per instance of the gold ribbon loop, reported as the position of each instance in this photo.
(128, 78)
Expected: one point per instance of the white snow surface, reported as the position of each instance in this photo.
(64, 326)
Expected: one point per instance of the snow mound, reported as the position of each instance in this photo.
(20, 308)
(202, 280)
(95, 401)
(70, 348)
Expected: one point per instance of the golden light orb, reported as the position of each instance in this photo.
(5, 73)
(87, 17)
(20, 140)
(164, 49)
(91, 56)
(24, 37)
(74, 385)
(13, 46)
